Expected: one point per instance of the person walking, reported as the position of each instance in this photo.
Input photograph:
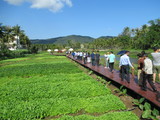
(78, 57)
(93, 59)
(140, 67)
(111, 59)
(156, 63)
(148, 73)
(81, 56)
(85, 57)
(107, 59)
(88, 57)
(73, 54)
(97, 58)
(125, 65)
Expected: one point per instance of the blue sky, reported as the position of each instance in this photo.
(47, 18)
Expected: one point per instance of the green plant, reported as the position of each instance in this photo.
(45, 85)
(103, 81)
(139, 102)
(124, 92)
(148, 113)
(33, 49)
(108, 83)
(121, 91)
(99, 78)
(90, 72)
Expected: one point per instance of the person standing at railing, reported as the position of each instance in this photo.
(125, 65)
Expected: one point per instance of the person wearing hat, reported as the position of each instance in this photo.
(148, 73)
(156, 63)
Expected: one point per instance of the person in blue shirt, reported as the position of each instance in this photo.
(73, 54)
(111, 59)
(125, 65)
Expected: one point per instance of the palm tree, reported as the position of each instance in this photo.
(8, 34)
(24, 40)
(126, 32)
(17, 31)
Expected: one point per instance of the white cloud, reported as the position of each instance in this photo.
(14, 2)
(52, 5)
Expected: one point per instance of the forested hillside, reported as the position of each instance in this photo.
(64, 40)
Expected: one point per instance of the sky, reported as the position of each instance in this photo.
(41, 19)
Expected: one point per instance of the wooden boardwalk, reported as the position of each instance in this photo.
(133, 86)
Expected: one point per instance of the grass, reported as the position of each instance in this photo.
(46, 85)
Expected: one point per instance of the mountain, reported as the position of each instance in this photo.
(64, 40)
(107, 37)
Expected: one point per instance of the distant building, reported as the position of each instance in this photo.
(15, 44)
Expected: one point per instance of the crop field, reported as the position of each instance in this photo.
(52, 87)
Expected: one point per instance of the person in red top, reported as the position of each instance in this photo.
(140, 67)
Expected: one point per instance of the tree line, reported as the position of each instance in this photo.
(8, 33)
(145, 37)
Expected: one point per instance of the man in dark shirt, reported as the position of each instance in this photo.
(93, 59)
(97, 58)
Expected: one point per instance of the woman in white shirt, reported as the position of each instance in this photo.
(107, 59)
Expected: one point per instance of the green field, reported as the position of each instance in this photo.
(44, 86)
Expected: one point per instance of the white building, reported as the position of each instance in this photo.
(13, 45)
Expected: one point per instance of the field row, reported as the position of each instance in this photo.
(51, 86)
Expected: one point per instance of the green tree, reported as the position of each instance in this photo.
(153, 34)
(17, 32)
